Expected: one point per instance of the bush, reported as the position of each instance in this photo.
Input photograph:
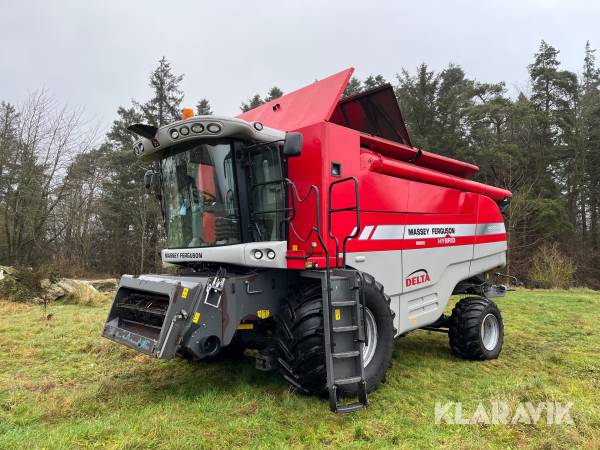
(551, 269)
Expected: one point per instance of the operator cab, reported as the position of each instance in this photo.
(222, 183)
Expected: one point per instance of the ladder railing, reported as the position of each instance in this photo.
(345, 364)
(346, 338)
(331, 211)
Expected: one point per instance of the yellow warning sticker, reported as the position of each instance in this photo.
(196, 318)
(338, 314)
(263, 313)
(184, 293)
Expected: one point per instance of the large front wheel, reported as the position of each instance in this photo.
(300, 335)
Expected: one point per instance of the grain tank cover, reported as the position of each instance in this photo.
(374, 112)
(306, 106)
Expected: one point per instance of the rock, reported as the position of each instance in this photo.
(54, 292)
(80, 292)
(107, 285)
(8, 270)
(23, 286)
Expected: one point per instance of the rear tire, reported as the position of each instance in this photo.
(300, 337)
(476, 330)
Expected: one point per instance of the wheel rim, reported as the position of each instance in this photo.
(490, 331)
(369, 349)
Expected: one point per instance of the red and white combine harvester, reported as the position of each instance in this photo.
(310, 230)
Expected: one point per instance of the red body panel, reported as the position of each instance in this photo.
(400, 187)
(318, 102)
(402, 195)
(426, 159)
(311, 104)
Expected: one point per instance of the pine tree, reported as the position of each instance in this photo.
(373, 82)
(354, 87)
(165, 105)
(274, 93)
(591, 74)
(591, 123)
(552, 96)
(252, 103)
(203, 108)
(417, 97)
(119, 136)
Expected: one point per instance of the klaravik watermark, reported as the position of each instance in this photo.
(504, 413)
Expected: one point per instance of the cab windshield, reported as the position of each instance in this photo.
(199, 195)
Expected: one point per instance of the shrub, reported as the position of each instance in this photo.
(551, 269)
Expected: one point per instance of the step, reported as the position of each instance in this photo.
(343, 303)
(337, 278)
(345, 328)
(350, 407)
(349, 380)
(349, 354)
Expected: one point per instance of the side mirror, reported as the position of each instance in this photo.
(148, 177)
(293, 144)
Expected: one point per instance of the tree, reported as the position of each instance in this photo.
(435, 107)
(79, 251)
(590, 193)
(552, 96)
(417, 97)
(274, 93)
(165, 105)
(257, 100)
(131, 217)
(39, 141)
(119, 136)
(354, 87)
(372, 82)
(252, 103)
(203, 108)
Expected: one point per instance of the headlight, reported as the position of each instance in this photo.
(174, 133)
(197, 128)
(258, 254)
(270, 254)
(213, 127)
(184, 131)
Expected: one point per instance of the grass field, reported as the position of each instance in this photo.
(62, 386)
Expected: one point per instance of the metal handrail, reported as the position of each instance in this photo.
(331, 211)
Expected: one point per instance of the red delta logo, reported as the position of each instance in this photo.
(417, 277)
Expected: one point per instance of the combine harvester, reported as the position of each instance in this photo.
(310, 230)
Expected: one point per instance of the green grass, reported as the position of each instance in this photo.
(62, 386)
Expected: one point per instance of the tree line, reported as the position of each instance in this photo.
(80, 207)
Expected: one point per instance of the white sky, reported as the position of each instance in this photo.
(98, 54)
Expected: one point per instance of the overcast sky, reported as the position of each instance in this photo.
(98, 54)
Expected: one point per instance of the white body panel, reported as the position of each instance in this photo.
(420, 281)
(239, 254)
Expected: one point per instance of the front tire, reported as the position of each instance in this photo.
(476, 330)
(300, 336)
